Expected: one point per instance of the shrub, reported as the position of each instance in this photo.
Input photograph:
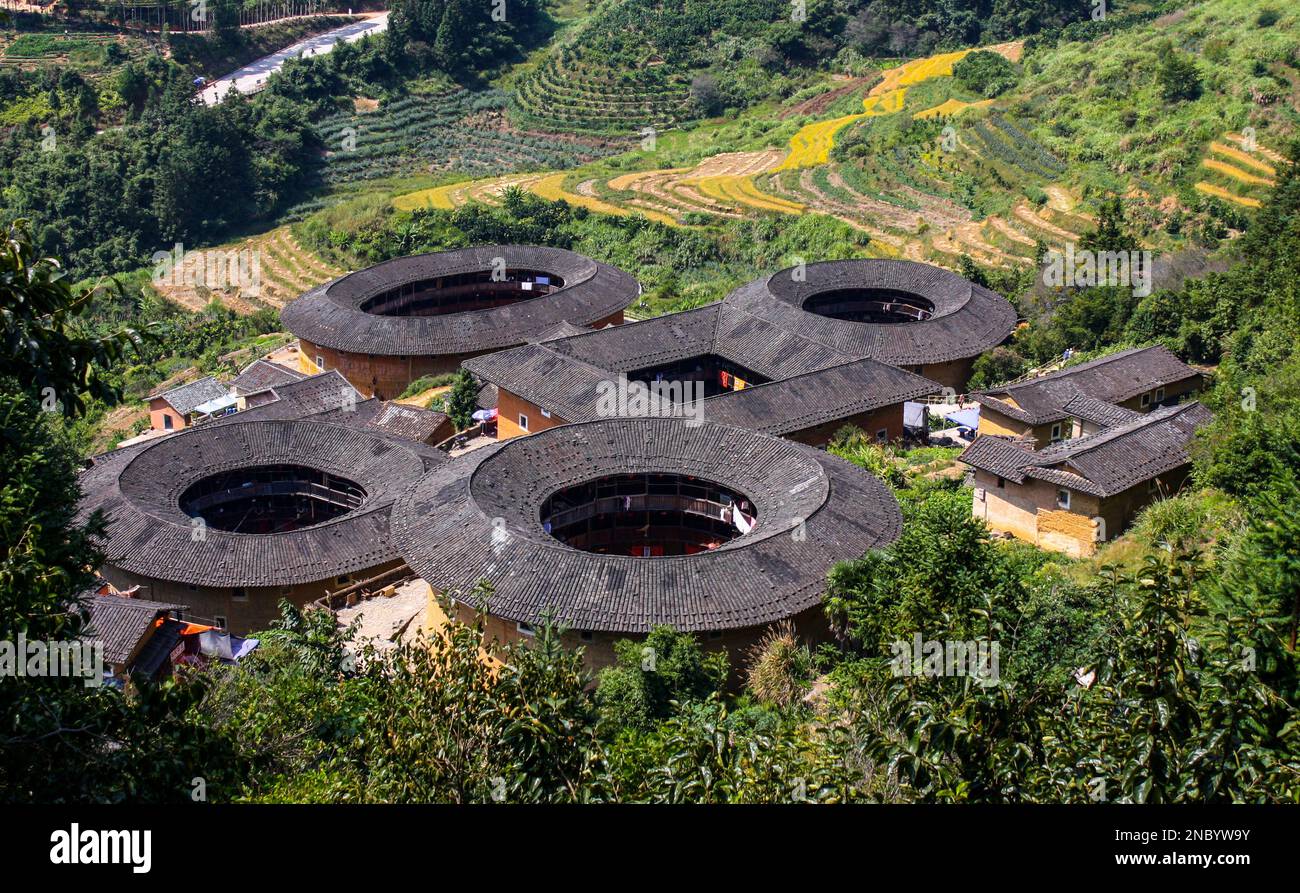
(780, 668)
(986, 73)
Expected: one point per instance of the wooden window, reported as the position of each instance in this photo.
(1063, 498)
(1146, 400)
(240, 594)
(1002, 483)
(219, 621)
(523, 421)
(1056, 432)
(525, 629)
(1160, 394)
(882, 435)
(586, 635)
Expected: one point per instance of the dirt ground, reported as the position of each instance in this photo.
(387, 622)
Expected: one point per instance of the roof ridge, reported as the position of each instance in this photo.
(1068, 449)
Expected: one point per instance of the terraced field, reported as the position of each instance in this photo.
(453, 130)
(914, 201)
(567, 93)
(284, 267)
(1239, 170)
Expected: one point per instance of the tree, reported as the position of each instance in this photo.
(986, 73)
(59, 740)
(463, 402)
(1178, 77)
(649, 677)
(706, 95)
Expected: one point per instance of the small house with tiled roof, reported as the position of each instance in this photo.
(262, 375)
(1076, 493)
(1087, 398)
(179, 407)
(137, 635)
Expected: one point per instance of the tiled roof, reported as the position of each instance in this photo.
(324, 394)
(330, 314)
(811, 383)
(1099, 412)
(1103, 464)
(186, 398)
(139, 491)
(815, 398)
(1114, 378)
(262, 374)
(813, 510)
(409, 422)
(967, 319)
(120, 623)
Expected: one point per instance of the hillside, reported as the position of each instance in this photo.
(931, 170)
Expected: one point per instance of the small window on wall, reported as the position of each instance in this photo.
(715, 634)
(1146, 400)
(1056, 432)
(1002, 483)
(586, 635)
(1063, 498)
(219, 621)
(1160, 394)
(526, 629)
(167, 422)
(320, 363)
(240, 595)
(523, 421)
(882, 435)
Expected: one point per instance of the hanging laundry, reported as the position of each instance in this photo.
(743, 522)
(741, 384)
(724, 378)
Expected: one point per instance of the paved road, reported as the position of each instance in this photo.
(253, 77)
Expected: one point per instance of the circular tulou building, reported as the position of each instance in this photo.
(919, 317)
(385, 326)
(616, 526)
(230, 518)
